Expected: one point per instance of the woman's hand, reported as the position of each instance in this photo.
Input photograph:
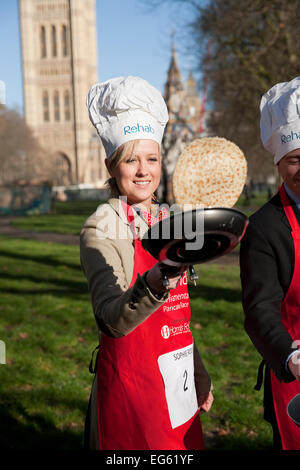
(205, 401)
(154, 278)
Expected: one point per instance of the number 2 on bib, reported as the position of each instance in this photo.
(185, 388)
(177, 370)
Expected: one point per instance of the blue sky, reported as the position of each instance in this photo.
(132, 40)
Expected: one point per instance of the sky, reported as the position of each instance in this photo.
(132, 39)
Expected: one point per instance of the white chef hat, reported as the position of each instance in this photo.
(124, 109)
(280, 118)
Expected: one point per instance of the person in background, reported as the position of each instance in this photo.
(150, 381)
(270, 265)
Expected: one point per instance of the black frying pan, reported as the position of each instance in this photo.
(194, 237)
(221, 231)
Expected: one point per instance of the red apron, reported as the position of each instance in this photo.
(290, 316)
(146, 389)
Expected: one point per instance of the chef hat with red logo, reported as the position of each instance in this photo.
(124, 109)
(280, 118)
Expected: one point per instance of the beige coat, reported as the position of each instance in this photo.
(107, 259)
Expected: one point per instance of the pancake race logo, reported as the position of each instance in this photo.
(185, 225)
(178, 301)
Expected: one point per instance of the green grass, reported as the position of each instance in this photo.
(66, 217)
(235, 421)
(249, 206)
(47, 324)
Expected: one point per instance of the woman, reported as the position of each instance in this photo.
(150, 381)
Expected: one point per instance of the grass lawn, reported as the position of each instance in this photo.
(235, 421)
(47, 324)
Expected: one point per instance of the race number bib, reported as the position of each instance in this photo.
(177, 370)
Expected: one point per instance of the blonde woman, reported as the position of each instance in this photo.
(150, 381)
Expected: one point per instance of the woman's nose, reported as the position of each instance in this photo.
(142, 169)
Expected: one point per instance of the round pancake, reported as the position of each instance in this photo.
(210, 172)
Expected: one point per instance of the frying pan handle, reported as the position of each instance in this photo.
(164, 275)
(193, 275)
(165, 270)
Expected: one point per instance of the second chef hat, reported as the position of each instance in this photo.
(280, 118)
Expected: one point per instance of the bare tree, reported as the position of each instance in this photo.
(251, 44)
(252, 47)
(21, 158)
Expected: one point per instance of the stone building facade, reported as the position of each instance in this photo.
(59, 57)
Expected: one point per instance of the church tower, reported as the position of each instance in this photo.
(174, 93)
(194, 106)
(59, 56)
(184, 125)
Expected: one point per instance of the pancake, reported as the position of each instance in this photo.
(210, 172)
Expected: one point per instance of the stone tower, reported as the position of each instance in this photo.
(59, 56)
(185, 113)
(174, 93)
(194, 107)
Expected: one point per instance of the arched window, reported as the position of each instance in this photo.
(64, 40)
(67, 105)
(53, 41)
(46, 106)
(43, 42)
(62, 168)
(56, 106)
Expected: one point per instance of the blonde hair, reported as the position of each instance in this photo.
(115, 159)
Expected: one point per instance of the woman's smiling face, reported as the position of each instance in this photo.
(138, 174)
